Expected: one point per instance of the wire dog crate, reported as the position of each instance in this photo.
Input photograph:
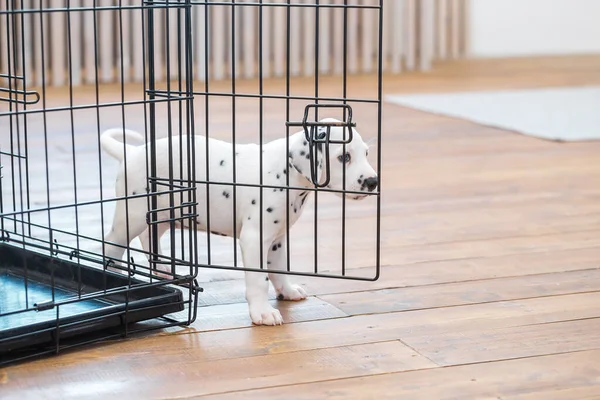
(64, 278)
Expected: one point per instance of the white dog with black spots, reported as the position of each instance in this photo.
(278, 161)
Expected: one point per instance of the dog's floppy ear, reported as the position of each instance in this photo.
(320, 149)
(310, 161)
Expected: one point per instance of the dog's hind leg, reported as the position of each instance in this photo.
(145, 239)
(281, 282)
(257, 283)
(118, 239)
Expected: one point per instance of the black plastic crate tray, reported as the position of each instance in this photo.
(23, 331)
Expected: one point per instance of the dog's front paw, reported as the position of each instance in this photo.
(292, 292)
(265, 315)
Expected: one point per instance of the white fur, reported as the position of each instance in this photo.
(276, 160)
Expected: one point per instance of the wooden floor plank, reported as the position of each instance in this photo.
(255, 341)
(429, 273)
(123, 377)
(461, 293)
(482, 345)
(563, 376)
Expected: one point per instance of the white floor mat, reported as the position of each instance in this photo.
(566, 114)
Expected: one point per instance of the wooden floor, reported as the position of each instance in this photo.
(490, 285)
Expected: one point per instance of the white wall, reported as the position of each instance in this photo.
(504, 28)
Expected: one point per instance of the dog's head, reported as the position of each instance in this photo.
(347, 163)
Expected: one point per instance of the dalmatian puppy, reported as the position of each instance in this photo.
(279, 164)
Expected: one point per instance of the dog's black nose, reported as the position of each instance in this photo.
(371, 183)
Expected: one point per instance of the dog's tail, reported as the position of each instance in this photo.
(110, 143)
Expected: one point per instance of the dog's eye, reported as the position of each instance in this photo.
(344, 158)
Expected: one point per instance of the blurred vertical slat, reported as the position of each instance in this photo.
(368, 34)
(159, 44)
(107, 44)
(200, 40)
(324, 37)
(397, 36)
(123, 42)
(42, 41)
(28, 42)
(233, 37)
(353, 18)
(427, 33)
(442, 29)
(57, 31)
(455, 10)
(75, 47)
(218, 38)
(338, 38)
(266, 41)
(3, 44)
(388, 24)
(279, 22)
(89, 46)
(410, 33)
(295, 40)
(173, 38)
(138, 41)
(309, 41)
(249, 22)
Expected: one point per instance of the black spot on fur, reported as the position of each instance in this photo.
(268, 262)
(222, 163)
(226, 194)
(134, 193)
(360, 181)
(248, 218)
(253, 201)
(270, 209)
(280, 297)
(278, 245)
(308, 156)
(274, 190)
(274, 248)
(281, 190)
(302, 153)
(278, 176)
(295, 210)
(290, 154)
(285, 171)
(276, 222)
(237, 153)
(267, 279)
(304, 143)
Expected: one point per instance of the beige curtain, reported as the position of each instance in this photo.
(416, 33)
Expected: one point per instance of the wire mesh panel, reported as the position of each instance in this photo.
(299, 148)
(62, 270)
